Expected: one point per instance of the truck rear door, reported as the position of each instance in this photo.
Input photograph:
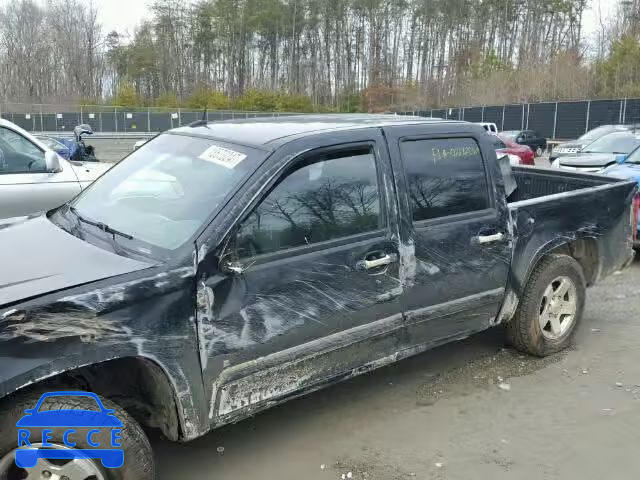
(454, 219)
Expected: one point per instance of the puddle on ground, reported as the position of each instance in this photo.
(482, 373)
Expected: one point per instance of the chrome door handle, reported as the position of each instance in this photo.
(484, 239)
(379, 262)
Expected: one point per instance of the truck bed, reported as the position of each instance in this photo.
(537, 182)
(551, 208)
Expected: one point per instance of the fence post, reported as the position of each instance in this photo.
(586, 127)
(482, 118)
(148, 120)
(528, 112)
(555, 121)
(502, 125)
(624, 112)
(41, 121)
(522, 118)
(179, 118)
(115, 117)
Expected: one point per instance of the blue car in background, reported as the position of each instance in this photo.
(628, 167)
(57, 145)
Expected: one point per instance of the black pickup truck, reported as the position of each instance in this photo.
(224, 268)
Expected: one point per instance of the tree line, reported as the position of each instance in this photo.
(303, 55)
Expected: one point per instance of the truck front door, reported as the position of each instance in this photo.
(309, 268)
(456, 225)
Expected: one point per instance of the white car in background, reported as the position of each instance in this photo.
(489, 127)
(34, 178)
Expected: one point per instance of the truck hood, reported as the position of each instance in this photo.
(589, 160)
(87, 172)
(623, 170)
(37, 257)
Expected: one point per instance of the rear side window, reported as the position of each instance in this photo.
(323, 198)
(445, 177)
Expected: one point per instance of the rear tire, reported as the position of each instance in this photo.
(539, 151)
(551, 307)
(138, 455)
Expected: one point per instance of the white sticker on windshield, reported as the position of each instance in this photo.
(222, 156)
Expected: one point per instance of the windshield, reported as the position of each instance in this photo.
(163, 192)
(634, 157)
(50, 142)
(597, 132)
(498, 144)
(510, 134)
(621, 142)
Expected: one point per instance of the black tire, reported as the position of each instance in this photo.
(524, 331)
(138, 455)
(539, 151)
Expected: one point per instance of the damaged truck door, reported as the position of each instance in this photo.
(310, 269)
(458, 226)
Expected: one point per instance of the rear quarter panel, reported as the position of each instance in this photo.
(601, 213)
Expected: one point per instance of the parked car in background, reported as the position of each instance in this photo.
(489, 127)
(34, 178)
(56, 145)
(518, 154)
(575, 146)
(530, 138)
(600, 154)
(629, 168)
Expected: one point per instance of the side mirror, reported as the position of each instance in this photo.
(621, 158)
(52, 161)
(520, 139)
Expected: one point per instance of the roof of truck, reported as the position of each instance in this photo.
(264, 131)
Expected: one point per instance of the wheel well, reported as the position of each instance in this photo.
(136, 384)
(585, 252)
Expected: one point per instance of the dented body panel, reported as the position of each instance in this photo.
(289, 322)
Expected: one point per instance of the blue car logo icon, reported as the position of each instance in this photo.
(69, 420)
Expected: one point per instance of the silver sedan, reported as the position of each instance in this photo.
(34, 178)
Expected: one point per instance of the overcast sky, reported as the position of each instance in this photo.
(124, 15)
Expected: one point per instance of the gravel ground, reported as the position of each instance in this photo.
(442, 415)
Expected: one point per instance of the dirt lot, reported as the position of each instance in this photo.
(442, 415)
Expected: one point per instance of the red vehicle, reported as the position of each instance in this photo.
(505, 145)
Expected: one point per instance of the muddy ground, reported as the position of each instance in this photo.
(443, 415)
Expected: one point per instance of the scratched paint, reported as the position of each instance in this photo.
(231, 345)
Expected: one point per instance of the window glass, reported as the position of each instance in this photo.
(164, 191)
(322, 199)
(498, 144)
(445, 177)
(619, 142)
(19, 155)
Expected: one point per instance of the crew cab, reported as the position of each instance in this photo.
(223, 268)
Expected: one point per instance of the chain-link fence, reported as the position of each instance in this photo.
(554, 120)
(113, 120)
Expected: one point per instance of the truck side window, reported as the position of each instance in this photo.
(445, 177)
(323, 198)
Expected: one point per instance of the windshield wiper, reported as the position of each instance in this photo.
(102, 226)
